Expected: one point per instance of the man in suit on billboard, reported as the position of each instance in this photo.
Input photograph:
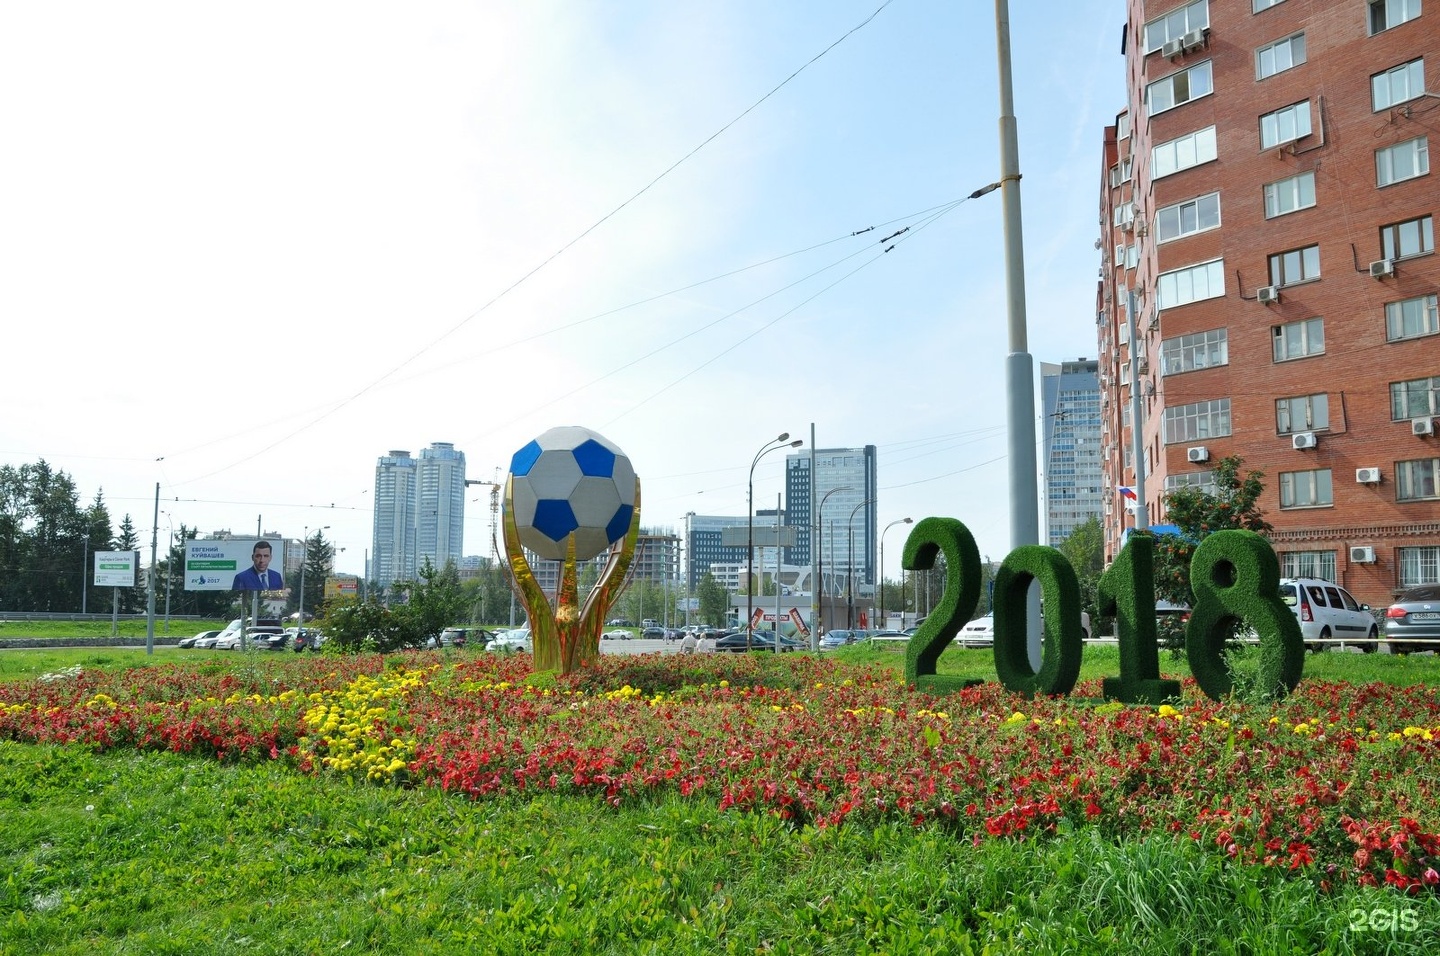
(259, 577)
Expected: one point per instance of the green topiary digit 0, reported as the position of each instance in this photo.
(1064, 641)
(1236, 577)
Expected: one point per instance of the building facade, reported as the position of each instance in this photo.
(1268, 287)
(1070, 404)
(440, 505)
(392, 547)
(844, 485)
(704, 544)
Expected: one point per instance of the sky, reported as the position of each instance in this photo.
(245, 250)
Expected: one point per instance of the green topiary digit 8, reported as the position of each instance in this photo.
(1236, 577)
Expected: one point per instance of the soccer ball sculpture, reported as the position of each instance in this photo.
(571, 481)
(571, 495)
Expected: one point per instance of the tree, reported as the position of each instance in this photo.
(714, 601)
(319, 556)
(1197, 513)
(132, 600)
(1085, 549)
(432, 603)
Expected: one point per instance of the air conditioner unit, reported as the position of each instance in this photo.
(1267, 294)
(1422, 426)
(1362, 554)
(1193, 40)
(1198, 453)
(1173, 48)
(1302, 440)
(1381, 268)
(1141, 229)
(1367, 476)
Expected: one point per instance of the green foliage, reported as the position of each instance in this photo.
(1126, 592)
(1197, 513)
(1085, 549)
(714, 601)
(45, 539)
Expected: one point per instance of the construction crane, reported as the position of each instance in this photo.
(494, 511)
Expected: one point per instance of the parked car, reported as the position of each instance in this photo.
(208, 642)
(619, 622)
(191, 641)
(304, 638)
(1415, 616)
(1328, 614)
(757, 641)
(259, 636)
(653, 633)
(838, 638)
(511, 641)
(617, 636)
(978, 633)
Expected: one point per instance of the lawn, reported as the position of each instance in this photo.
(705, 804)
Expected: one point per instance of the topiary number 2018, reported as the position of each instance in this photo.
(1235, 576)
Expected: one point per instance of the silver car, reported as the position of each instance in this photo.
(1412, 623)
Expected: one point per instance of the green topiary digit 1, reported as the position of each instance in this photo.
(949, 537)
(1127, 590)
(1236, 577)
(1064, 641)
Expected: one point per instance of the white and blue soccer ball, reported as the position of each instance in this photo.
(571, 482)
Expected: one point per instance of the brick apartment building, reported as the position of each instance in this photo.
(1267, 231)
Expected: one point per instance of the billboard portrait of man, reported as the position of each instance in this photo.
(259, 577)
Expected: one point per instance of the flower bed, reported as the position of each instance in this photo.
(1336, 782)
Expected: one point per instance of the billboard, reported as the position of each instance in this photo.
(116, 569)
(336, 588)
(235, 564)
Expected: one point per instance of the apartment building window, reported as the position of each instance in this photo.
(1187, 218)
(1122, 125)
(1132, 255)
(1285, 125)
(1414, 399)
(1257, 5)
(1398, 84)
(1413, 237)
(1192, 149)
(1385, 14)
(1190, 284)
(1306, 489)
(1296, 265)
(1190, 352)
(1202, 480)
(1402, 161)
(1419, 565)
(1197, 421)
(1411, 318)
(1179, 88)
(1279, 56)
(1295, 340)
(1415, 480)
(1177, 23)
(1307, 564)
(1302, 413)
(1290, 195)
(1120, 173)
(1124, 214)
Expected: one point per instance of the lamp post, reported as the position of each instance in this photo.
(850, 568)
(783, 441)
(304, 556)
(820, 553)
(882, 572)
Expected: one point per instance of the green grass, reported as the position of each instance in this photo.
(90, 629)
(125, 853)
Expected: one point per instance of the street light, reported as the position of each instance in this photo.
(850, 567)
(783, 441)
(882, 572)
(304, 556)
(820, 552)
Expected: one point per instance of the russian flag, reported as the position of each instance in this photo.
(1127, 492)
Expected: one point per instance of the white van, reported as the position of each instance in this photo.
(1328, 615)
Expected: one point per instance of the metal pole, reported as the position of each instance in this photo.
(820, 566)
(150, 577)
(1137, 440)
(1020, 371)
(770, 446)
(84, 569)
(777, 575)
(850, 569)
(882, 574)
